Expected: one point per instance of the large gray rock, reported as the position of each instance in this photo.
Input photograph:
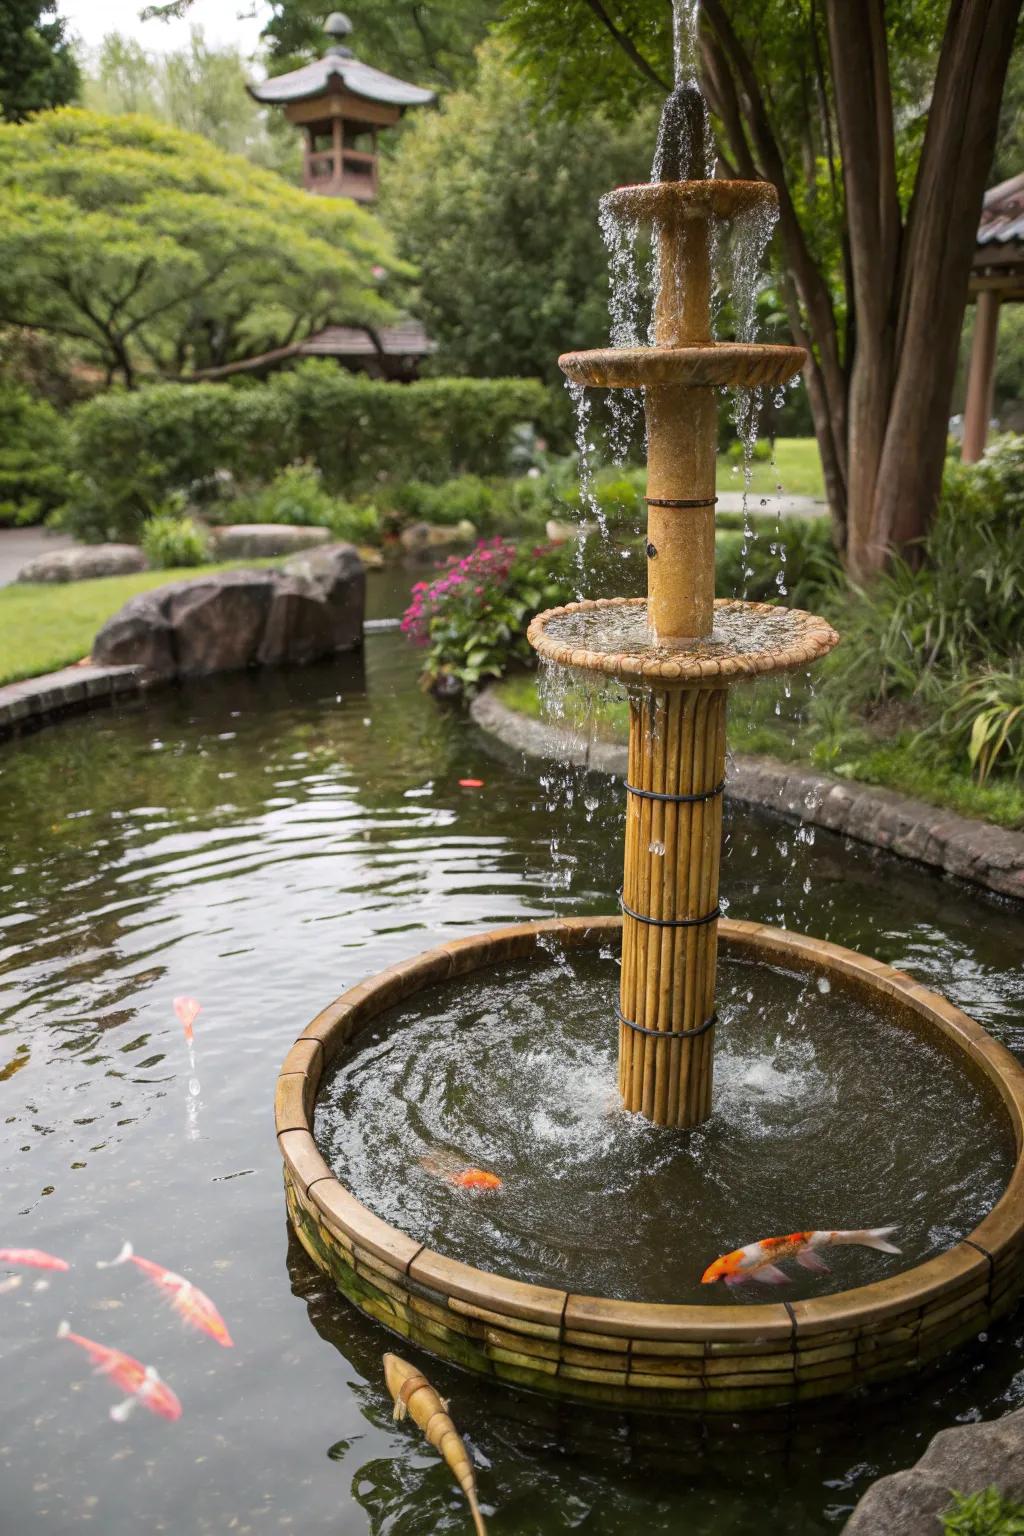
(83, 562)
(967, 1458)
(236, 619)
(256, 541)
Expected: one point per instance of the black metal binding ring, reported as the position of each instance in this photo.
(657, 794)
(667, 1034)
(680, 501)
(670, 922)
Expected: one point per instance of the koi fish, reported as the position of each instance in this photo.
(465, 1178)
(140, 1383)
(188, 1011)
(31, 1258)
(10, 1284)
(190, 1303)
(757, 1260)
(471, 783)
(414, 1395)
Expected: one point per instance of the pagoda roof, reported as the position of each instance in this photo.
(338, 71)
(999, 253)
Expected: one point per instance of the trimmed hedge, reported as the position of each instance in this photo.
(128, 452)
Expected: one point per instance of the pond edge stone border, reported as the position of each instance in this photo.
(973, 850)
(37, 701)
(686, 1358)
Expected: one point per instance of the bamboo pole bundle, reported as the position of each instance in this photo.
(670, 897)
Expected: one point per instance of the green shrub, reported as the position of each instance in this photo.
(464, 499)
(792, 560)
(472, 618)
(986, 719)
(296, 496)
(760, 453)
(33, 472)
(983, 1514)
(130, 451)
(170, 540)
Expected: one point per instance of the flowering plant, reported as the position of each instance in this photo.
(472, 618)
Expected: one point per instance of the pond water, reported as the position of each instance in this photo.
(262, 843)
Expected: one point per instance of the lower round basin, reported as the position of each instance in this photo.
(846, 1096)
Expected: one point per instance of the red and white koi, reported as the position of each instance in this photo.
(188, 1010)
(31, 1258)
(140, 1383)
(759, 1261)
(192, 1305)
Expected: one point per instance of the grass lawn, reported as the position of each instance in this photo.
(46, 626)
(797, 468)
(899, 763)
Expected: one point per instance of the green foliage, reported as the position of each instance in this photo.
(171, 539)
(297, 496)
(33, 478)
(987, 714)
(150, 247)
(983, 1514)
(790, 560)
(495, 202)
(472, 618)
(37, 65)
(426, 44)
(199, 89)
(130, 451)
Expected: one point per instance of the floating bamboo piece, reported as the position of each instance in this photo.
(414, 1395)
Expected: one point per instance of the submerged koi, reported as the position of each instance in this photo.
(188, 1010)
(471, 783)
(31, 1258)
(414, 1396)
(465, 1178)
(190, 1303)
(140, 1383)
(757, 1260)
(10, 1284)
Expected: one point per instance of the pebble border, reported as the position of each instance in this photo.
(986, 855)
(688, 1359)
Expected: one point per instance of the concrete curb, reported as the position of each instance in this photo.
(988, 856)
(37, 701)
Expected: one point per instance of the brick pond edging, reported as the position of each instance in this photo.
(37, 701)
(989, 856)
(687, 1358)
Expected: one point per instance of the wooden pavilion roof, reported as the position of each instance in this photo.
(999, 255)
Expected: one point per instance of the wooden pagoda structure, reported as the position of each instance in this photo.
(341, 104)
(997, 278)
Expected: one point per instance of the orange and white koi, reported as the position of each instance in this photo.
(464, 1178)
(140, 1383)
(758, 1261)
(188, 1010)
(31, 1258)
(190, 1303)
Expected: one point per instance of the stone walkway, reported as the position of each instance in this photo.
(20, 545)
(972, 850)
(769, 506)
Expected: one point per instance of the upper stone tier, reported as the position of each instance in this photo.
(681, 214)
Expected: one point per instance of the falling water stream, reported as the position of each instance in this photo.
(261, 843)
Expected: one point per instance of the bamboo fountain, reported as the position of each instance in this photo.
(679, 683)
(677, 651)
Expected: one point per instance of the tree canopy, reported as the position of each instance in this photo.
(496, 204)
(37, 65)
(152, 249)
(200, 89)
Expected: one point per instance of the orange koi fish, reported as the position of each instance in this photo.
(471, 783)
(31, 1258)
(190, 1303)
(139, 1382)
(464, 1178)
(758, 1260)
(188, 1011)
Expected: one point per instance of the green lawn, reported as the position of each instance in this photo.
(43, 627)
(898, 762)
(797, 468)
